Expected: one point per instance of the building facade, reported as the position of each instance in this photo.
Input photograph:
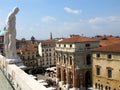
(46, 49)
(74, 62)
(106, 67)
(28, 52)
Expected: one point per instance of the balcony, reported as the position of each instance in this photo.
(65, 49)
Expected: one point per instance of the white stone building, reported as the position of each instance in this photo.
(74, 62)
(46, 49)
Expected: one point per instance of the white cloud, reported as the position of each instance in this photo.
(105, 19)
(93, 26)
(69, 10)
(114, 18)
(48, 19)
(90, 27)
(96, 20)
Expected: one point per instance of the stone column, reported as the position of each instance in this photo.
(68, 76)
(62, 76)
(57, 73)
(75, 78)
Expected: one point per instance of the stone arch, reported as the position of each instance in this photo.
(64, 72)
(64, 58)
(106, 88)
(96, 85)
(101, 87)
(88, 79)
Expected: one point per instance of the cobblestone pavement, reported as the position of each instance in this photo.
(4, 84)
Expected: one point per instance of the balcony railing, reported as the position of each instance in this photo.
(18, 78)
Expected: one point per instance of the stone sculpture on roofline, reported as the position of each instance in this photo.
(10, 38)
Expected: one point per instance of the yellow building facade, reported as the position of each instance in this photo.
(106, 68)
(28, 54)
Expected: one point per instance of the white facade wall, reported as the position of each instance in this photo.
(47, 54)
(81, 46)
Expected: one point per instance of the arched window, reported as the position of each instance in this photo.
(64, 59)
(59, 59)
(106, 88)
(95, 85)
(101, 87)
(70, 60)
(98, 86)
(109, 88)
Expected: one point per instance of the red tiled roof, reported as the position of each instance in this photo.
(108, 40)
(48, 41)
(77, 39)
(110, 48)
(27, 48)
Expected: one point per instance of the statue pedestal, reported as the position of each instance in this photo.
(13, 61)
(17, 61)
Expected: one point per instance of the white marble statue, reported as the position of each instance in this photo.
(10, 35)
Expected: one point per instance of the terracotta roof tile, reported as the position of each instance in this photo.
(48, 41)
(108, 40)
(110, 48)
(27, 48)
(77, 39)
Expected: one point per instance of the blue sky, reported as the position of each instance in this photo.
(63, 17)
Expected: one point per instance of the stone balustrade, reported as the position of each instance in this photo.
(18, 78)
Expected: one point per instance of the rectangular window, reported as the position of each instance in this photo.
(97, 70)
(87, 45)
(98, 55)
(71, 45)
(64, 45)
(109, 73)
(109, 56)
(32, 57)
(46, 49)
(28, 57)
(59, 45)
